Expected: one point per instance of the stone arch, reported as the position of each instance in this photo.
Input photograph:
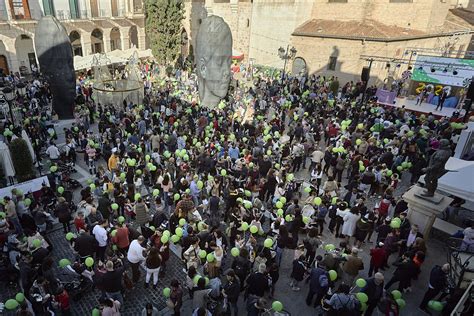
(75, 38)
(25, 53)
(97, 41)
(133, 36)
(115, 39)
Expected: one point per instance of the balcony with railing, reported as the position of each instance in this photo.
(62, 15)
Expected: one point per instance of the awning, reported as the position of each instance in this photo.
(114, 57)
(237, 55)
(459, 181)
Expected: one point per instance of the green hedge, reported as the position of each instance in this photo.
(22, 160)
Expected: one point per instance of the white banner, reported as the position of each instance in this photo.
(26, 187)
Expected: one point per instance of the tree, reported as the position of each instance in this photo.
(163, 27)
(22, 160)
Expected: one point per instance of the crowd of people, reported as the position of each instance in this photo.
(230, 196)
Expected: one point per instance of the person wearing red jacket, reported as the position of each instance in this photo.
(377, 258)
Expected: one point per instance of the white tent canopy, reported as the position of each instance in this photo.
(114, 57)
(459, 181)
(6, 160)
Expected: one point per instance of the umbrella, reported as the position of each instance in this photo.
(6, 160)
(28, 142)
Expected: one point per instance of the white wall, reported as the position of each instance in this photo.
(105, 8)
(61, 7)
(23, 47)
(3, 10)
(272, 25)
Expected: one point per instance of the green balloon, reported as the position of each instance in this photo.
(268, 243)
(279, 205)
(89, 262)
(70, 236)
(210, 257)
(60, 190)
(36, 243)
(317, 201)
(396, 294)
(329, 247)
(121, 219)
(156, 192)
(401, 303)
(11, 304)
(95, 312)
(27, 202)
(137, 196)
(114, 206)
(178, 231)
(20, 297)
(362, 297)
(176, 196)
(253, 229)
(166, 292)
(282, 199)
(164, 239)
(235, 252)
(64, 262)
(175, 239)
(244, 226)
(332, 275)
(277, 306)
(361, 283)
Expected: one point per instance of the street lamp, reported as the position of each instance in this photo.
(21, 88)
(287, 54)
(9, 96)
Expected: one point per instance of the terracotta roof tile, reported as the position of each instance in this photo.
(368, 29)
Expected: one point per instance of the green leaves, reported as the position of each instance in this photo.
(163, 27)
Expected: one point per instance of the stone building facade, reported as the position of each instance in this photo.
(94, 26)
(332, 35)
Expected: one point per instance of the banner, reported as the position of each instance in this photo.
(26, 187)
(385, 96)
(448, 71)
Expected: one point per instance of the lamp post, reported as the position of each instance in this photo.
(9, 96)
(287, 54)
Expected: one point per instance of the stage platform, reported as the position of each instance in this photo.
(424, 108)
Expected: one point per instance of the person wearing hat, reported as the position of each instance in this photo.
(377, 258)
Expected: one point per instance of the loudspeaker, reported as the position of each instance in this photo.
(365, 75)
(470, 90)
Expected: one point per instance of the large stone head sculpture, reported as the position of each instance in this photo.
(213, 60)
(55, 57)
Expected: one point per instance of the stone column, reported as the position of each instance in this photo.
(86, 43)
(423, 211)
(141, 38)
(124, 38)
(106, 40)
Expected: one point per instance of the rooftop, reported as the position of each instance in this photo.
(367, 29)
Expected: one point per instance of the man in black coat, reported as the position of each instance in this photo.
(438, 281)
(85, 245)
(257, 283)
(374, 291)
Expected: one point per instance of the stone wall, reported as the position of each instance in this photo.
(349, 64)
(419, 14)
(273, 22)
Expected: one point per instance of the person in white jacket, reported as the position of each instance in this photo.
(135, 257)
